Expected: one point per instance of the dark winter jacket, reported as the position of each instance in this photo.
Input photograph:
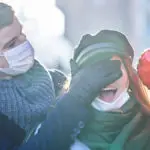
(60, 128)
(24, 103)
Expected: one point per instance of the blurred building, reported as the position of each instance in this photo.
(44, 25)
(53, 33)
(131, 17)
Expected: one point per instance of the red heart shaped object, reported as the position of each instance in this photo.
(143, 68)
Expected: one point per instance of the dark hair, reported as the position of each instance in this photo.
(6, 15)
(59, 79)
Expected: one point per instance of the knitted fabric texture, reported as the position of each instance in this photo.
(27, 98)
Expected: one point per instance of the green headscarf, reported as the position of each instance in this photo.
(111, 130)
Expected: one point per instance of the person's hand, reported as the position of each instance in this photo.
(88, 81)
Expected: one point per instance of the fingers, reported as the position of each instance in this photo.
(107, 72)
(114, 69)
(99, 75)
(110, 78)
(111, 65)
(106, 68)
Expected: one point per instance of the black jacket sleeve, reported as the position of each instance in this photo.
(64, 122)
(11, 135)
(60, 128)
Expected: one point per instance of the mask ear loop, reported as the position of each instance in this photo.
(2, 55)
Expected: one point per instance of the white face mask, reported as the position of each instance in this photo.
(116, 104)
(20, 59)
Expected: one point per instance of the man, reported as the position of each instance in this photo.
(118, 122)
(26, 88)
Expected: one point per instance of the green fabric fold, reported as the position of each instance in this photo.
(112, 130)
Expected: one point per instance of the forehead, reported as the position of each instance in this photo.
(10, 31)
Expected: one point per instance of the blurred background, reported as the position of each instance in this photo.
(55, 27)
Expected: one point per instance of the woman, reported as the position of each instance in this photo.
(119, 122)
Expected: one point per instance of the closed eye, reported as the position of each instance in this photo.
(10, 44)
